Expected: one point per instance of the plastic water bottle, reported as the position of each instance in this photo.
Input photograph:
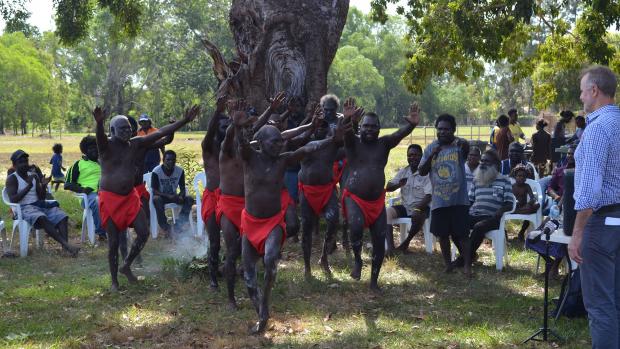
(554, 212)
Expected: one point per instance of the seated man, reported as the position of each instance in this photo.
(490, 197)
(26, 188)
(415, 194)
(166, 180)
(516, 156)
(473, 160)
(83, 177)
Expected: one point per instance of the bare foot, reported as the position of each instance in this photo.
(114, 287)
(325, 265)
(232, 305)
(449, 268)
(126, 270)
(375, 288)
(307, 275)
(73, 252)
(356, 273)
(214, 285)
(467, 271)
(259, 327)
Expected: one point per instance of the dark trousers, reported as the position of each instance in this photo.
(600, 280)
(479, 226)
(159, 202)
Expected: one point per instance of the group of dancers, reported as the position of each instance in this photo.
(245, 157)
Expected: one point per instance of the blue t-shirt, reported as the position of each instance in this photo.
(56, 162)
(447, 176)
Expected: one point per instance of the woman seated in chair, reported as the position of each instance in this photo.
(26, 188)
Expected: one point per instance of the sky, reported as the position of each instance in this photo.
(42, 12)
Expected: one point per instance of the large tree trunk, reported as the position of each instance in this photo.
(281, 46)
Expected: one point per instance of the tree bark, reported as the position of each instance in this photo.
(281, 46)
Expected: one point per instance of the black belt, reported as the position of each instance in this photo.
(608, 209)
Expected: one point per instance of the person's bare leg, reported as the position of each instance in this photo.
(377, 234)
(232, 241)
(63, 229)
(249, 257)
(292, 222)
(356, 227)
(213, 230)
(417, 221)
(142, 232)
(272, 255)
(113, 240)
(466, 250)
(307, 228)
(446, 253)
(122, 244)
(52, 231)
(332, 217)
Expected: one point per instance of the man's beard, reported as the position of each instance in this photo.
(485, 176)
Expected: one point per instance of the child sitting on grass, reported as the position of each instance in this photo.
(57, 176)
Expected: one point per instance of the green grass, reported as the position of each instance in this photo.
(52, 301)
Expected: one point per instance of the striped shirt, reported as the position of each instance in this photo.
(597, 160)
(486, 200)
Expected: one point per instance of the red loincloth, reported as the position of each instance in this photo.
(317, 195)
(285, 199)
(142, 192)
(231, 206)
(338, 170)
(257, 229)
(122, 209)
(370, 209)
(209, 203)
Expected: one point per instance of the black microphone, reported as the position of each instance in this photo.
(548, 228)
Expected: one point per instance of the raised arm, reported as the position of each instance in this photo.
(150, 139)
(228, 144)
(352, 115)
(274, 104)
(297, 155)
(102, 138)
(242, 123)
(413, 119)
(207, 141)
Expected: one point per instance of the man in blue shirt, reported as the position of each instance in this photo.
(595, 243)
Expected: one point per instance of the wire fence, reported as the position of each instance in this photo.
(425, 135)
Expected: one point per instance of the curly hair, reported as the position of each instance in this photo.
(87, 142)
(57, 148)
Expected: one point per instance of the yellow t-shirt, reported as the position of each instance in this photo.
(516, 131)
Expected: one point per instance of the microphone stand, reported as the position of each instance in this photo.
(545, 330)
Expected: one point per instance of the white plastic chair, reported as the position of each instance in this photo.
(174, 208)
(22, 225)
(405, 225)
(534, 218)
(499, 242)
(88, 223)
(3, 237)
(199, 180)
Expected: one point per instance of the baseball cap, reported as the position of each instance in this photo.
(144, 117)
(18, 154)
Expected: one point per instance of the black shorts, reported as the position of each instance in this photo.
(450, 221)
(401, 211)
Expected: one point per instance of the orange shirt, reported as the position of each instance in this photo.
(149, 131)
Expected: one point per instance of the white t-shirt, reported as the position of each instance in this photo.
(416, 188)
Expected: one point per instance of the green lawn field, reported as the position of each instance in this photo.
(49, 300)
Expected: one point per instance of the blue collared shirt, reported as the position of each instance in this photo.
(597, 160)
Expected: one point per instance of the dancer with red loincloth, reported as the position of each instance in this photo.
(119, 202)
(262, 223)
(364, 195)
